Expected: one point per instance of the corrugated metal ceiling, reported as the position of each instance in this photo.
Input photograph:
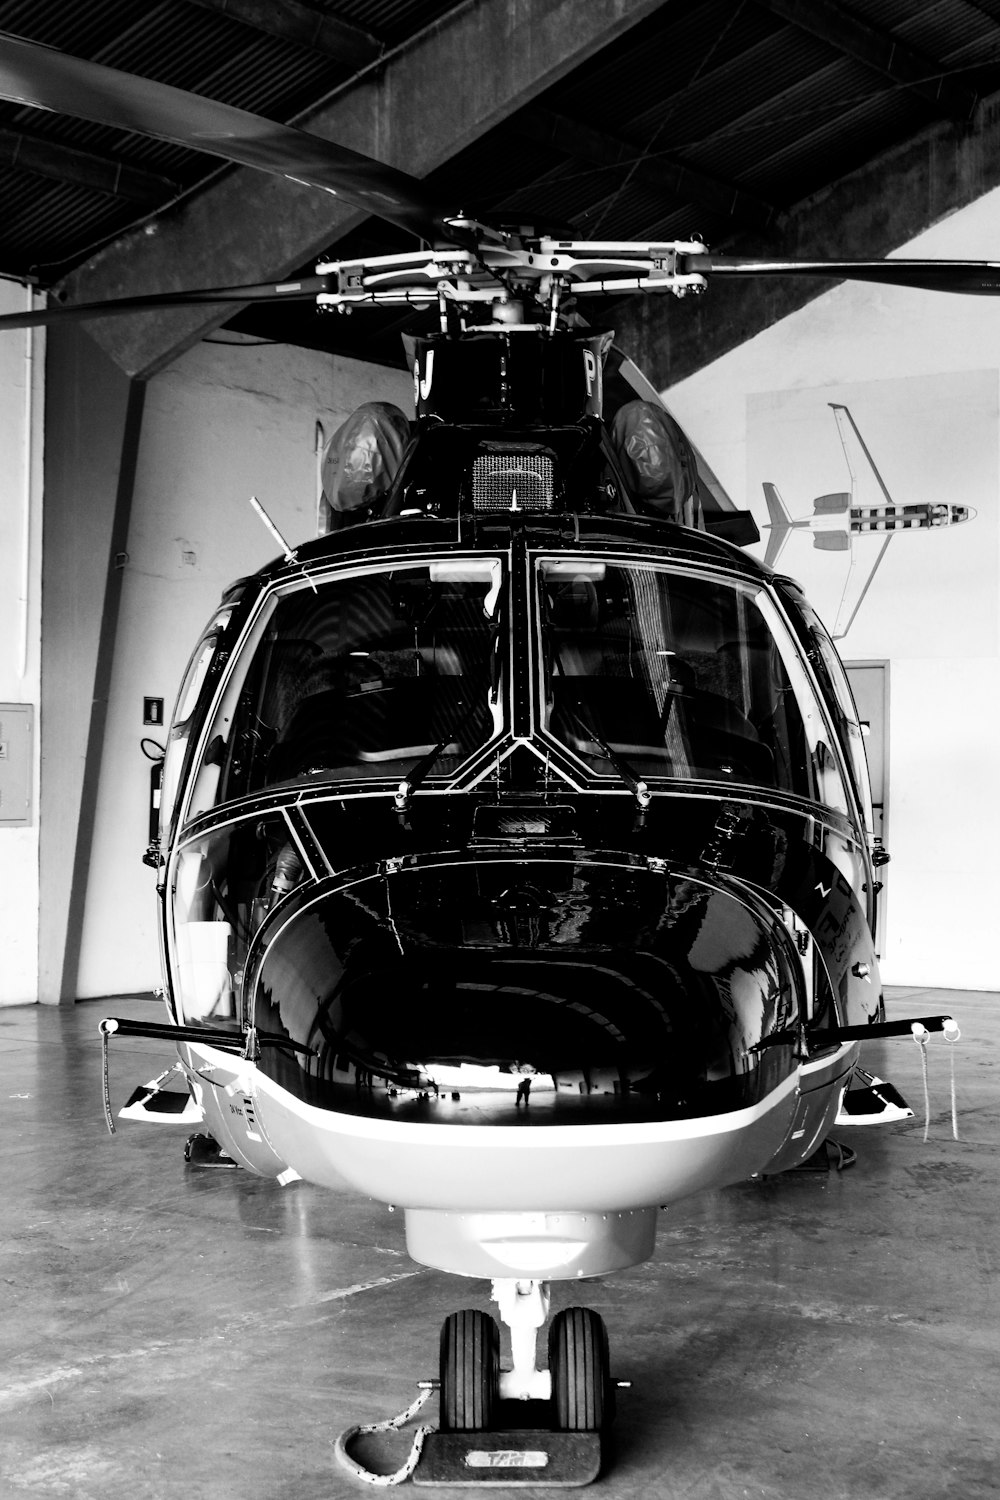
(740, 110)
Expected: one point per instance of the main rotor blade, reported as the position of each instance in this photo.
(46, 79)
(262, 291)
(969, 276)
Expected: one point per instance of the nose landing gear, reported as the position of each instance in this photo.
(547, 1425)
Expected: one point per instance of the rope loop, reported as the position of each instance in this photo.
(392, 1424)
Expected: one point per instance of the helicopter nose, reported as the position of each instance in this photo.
(545, 1037)
(568, 992)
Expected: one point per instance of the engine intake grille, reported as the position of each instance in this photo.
(513, 481)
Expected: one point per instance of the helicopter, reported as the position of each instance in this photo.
(848, 523)
(514, 862)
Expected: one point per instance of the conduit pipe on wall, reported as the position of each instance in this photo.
(27, 458)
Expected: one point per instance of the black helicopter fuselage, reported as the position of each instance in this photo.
(504, 829)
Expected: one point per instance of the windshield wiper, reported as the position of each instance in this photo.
(628, 774)
(423, 767)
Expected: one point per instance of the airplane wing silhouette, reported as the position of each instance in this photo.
(865, 552)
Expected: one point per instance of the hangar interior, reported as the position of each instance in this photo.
(830, 1328)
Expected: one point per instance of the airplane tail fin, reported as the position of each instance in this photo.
(781, 524)
(776, 508)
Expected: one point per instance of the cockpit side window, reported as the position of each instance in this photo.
(833, 679)
(359, 678)
(223, 885)
(677, 675)
(202, 658)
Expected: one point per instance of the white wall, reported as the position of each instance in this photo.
(221, 424)
(20, 600)
(921, 373)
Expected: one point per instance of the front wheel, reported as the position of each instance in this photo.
(582, 1393)
(470, 1371)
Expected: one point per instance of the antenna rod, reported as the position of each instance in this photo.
(289, 555)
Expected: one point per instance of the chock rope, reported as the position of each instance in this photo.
(392, 1424)
(952, 1035)
(921, 1036)
(107, 1029)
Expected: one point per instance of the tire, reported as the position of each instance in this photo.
(470, 1371)
(582, 1393)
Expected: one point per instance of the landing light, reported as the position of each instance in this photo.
(462, 570)
(577, 568)
(543, 1255)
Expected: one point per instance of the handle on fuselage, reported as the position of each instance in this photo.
(830, 1036)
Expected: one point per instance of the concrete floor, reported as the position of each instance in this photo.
(170, 1332)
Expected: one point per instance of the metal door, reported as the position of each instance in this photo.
(870, 685)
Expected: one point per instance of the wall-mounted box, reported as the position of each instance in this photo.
(16, 738)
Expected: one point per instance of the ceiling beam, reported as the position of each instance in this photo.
(879, 50)
(312, 29)
(26, 152)
(416, 109)
(869, 213)
(665, 176)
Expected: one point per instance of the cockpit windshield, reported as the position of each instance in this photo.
(401, 672)
(678, 675)
(360, 677)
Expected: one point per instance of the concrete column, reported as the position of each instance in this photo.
(93, 418)
(22, 403)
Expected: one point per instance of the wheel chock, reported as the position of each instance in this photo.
(535, 1457)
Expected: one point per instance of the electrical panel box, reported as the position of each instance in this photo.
(16, 759)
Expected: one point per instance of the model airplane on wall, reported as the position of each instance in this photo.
(516, 861)
(850, 524)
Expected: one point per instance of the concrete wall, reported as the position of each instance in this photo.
(21, 431)
(921, 374)
(222, 423)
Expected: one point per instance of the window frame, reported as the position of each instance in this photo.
(758, 593)
(200, 787)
